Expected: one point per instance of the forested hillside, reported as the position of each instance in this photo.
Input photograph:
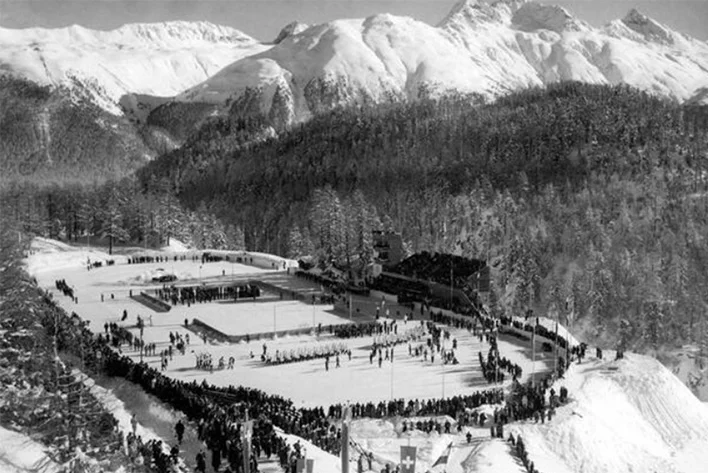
(47, 135)
(114, 213)
(586, 199)
(42, 395)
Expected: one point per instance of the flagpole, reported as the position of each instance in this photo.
(555, 369)
(533, 351)
(496, 354)
(246, 445)
(567, 338)
(442, 355)
(392, 379)
(345, 441)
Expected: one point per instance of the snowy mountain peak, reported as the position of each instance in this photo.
(535, 16)
(160, 59)
(290, 29)
(169, 34)
(648, 28)
(203, 31)
(472, 12)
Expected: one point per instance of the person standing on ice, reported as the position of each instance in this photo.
(179, 430)
(201, 462)
(134, 423)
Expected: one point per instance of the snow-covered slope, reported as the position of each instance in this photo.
(19, 454)
(488, 48)
(631, 415)
(159, 59)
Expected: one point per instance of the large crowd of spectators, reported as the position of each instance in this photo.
(451, 406)
(494, 365)
(219, 410)
(439, 267)
(187, 295)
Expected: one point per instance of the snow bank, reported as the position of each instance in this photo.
(494, 456)
(20, 454)
(48, 255)
(176, 246)
(261, 260)
(630, 415)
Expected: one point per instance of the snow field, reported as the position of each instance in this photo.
(20, 454)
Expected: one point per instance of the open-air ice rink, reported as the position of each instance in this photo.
(306, 382)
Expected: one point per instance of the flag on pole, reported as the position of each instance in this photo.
(443, 458)
(247, 434)
(346, 419)
(407, 459)
(310, 467)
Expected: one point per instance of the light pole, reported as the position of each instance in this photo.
(142, 327)
(442, 359)
(533, 353)
(392, 378)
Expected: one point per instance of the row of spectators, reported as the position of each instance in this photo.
(193, 294)
(451, 406)
(540, 330)
(337, 287)
(358, 330)
(520, 451)
(142, 259)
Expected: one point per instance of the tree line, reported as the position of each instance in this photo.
(113, 213)
(588, 201)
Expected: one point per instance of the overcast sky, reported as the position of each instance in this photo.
(264, 18)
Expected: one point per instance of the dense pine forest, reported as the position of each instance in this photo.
(113, 213)
(586, 199)
(49, 135)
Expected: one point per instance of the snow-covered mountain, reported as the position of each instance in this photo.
(482, 47)
(161, 59)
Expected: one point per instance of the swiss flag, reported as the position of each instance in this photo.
(407, 459)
